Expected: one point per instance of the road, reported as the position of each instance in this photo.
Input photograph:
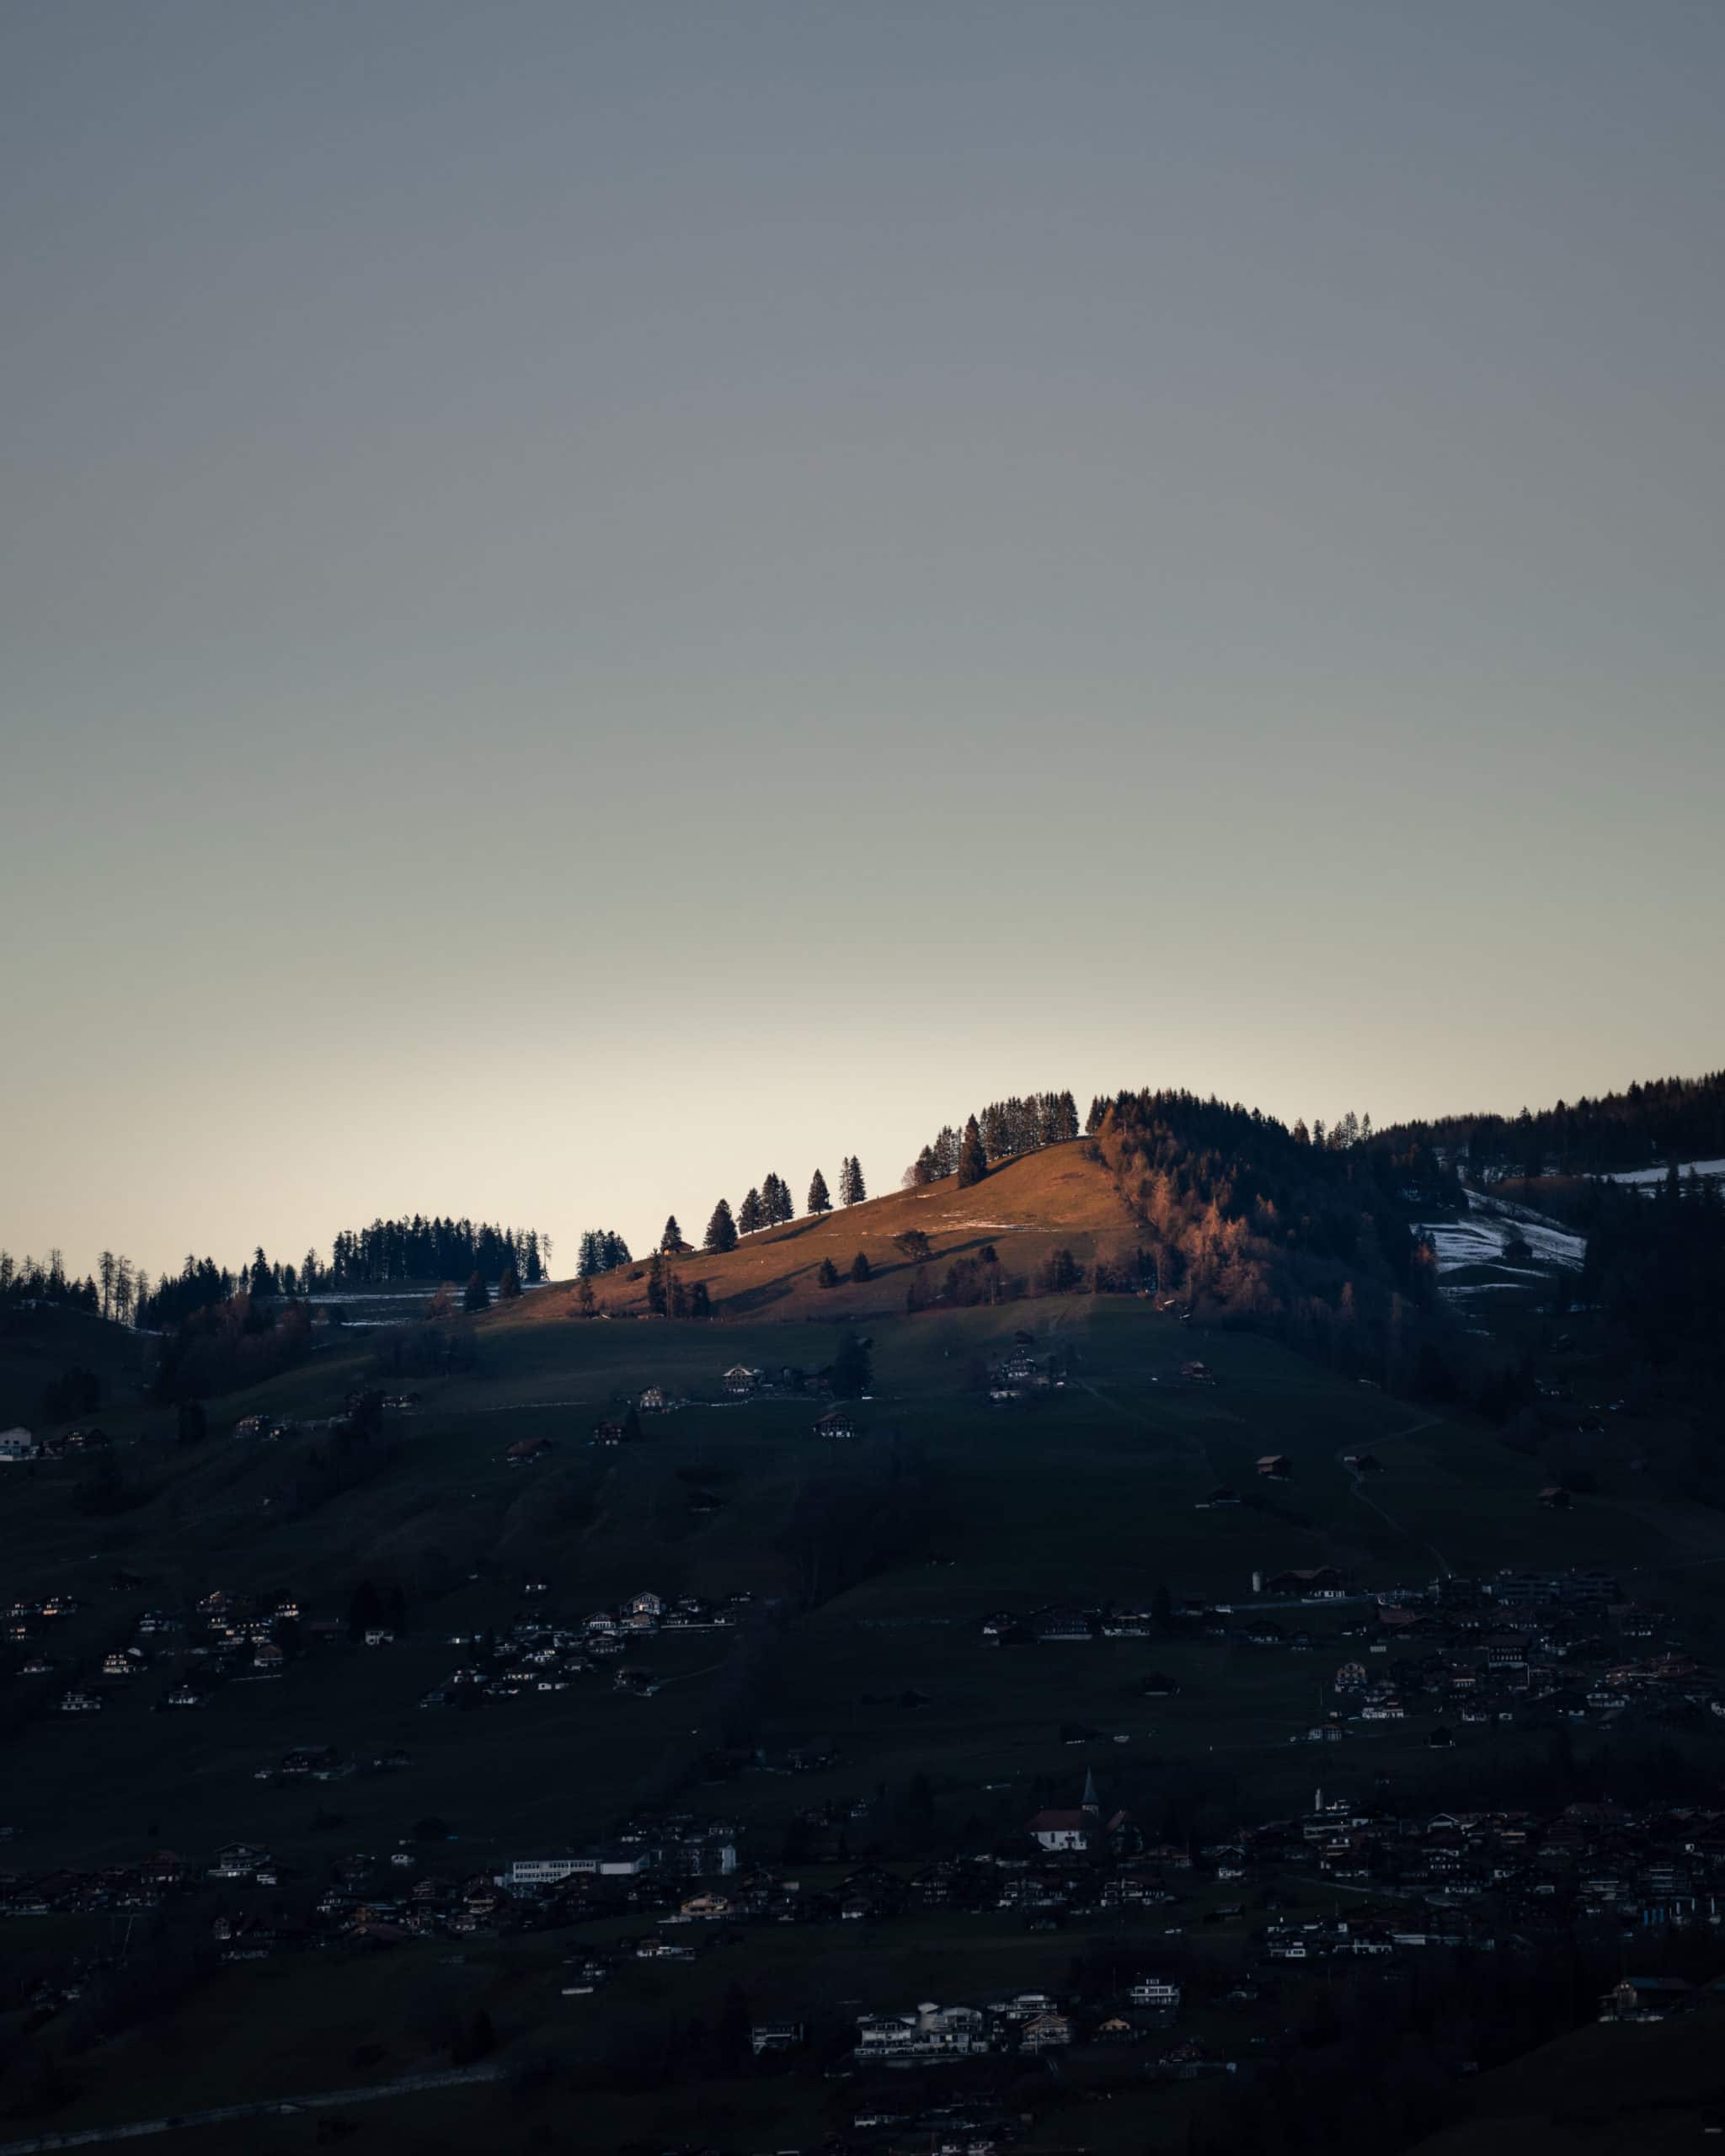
(267, 2107)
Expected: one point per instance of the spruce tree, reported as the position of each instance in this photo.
(973, 1162)
(861, 1269)
(852, 1189)
(671, 1236)
(655, 1285)
(509, 1285)
(819, 1200)
(700, 1303)
(477, 1296)
(828, 1275)
(721, 1229)
(749, 1216)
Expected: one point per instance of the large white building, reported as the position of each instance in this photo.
(17, 1443)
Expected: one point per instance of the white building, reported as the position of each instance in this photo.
(17, 1443)
(930, 2032)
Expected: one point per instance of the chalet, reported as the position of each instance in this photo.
(1116, 2030)
(740, 1381)
(1554, 1499)
(1156, 1991)
(17, 1443)
(1198, 1373)
(1062, 1625)
(609, 1433)
(775, 2036)
(525, 1450)
(1045, 2031)
(1351, 1677)
(836, 1422)
(1276, 1466)
(1647, 1998)
(654, 1400)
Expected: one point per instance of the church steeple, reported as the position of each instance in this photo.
(1091, 1804)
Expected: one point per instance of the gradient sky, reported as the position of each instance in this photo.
(595, 601)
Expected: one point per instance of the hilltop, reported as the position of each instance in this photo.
(1026, 1209)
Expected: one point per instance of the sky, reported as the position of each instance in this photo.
(596, 600)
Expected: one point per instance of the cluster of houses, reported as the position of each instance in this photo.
(1026, 2022)
(1019, 1374)
(1527, 1648)
(541, 1654)
(223, 1638)
(18, 1445)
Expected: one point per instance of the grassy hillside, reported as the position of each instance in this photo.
(38, 1346)
(1026, 1208)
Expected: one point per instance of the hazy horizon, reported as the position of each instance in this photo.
(597, 603)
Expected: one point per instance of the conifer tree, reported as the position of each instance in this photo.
(749, 1216)
(861, 1269)
(721, 1229)
(509, 1285)
(700, 1302)
(671, 1236)
(819, 1199)
(852, 1189)
(477, 1296)
(828, 1275)
(586, 1300)
(973, 1162)
(655, 1285)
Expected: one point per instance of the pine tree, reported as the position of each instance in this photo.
(973, 1162)
(852, 1189)
(509, 1285)
(749, 1216)
(672, 1235)
(700, 1302)
(828, 1275)
(586, 1300)
(861, 1269)
(655, 1285)
(819, 1199)
(477, 1296)
(721, 1229)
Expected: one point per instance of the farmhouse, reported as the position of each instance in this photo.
(836, 1422)
(1276, 1466)
(740, 1381)
(17, 1443)
(525, 1450)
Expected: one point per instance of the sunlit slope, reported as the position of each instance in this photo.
(1026, 1209)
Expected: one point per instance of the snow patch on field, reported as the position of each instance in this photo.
(1480, 1238)
(1652, 1178)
